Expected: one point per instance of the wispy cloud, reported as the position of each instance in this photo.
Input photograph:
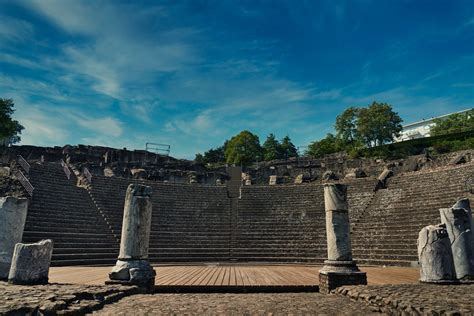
(12, 29)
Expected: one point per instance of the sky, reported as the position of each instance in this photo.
(194, 73)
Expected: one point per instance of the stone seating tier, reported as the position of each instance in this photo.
(61, 211)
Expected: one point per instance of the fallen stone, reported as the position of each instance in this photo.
(299, 179)
(108, 172)
(329, 175)
(459, 159)
(140, 174)
(355, 173)
(4, 171)
(435, 255)
(30, 263)
(12, 222)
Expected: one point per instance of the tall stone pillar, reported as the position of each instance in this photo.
(12, 223)
(339, 269)
(458, 221)
(132, 266)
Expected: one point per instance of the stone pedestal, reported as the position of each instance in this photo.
(339, 269)
(132, 266)
(12, 222)
(30, 263)
(458, 221)
(435, 255)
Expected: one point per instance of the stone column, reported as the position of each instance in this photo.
(435, 256)
(458, 220)
(132, 266)
(339, 269)
(12, 222)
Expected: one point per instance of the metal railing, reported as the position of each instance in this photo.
(66, 169)
(24, 164)
(87, 174)
(24, 182)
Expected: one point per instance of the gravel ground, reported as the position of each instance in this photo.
(237, 304)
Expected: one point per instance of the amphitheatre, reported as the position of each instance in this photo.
(245, 246)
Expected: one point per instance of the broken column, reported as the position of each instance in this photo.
(458, 221)
(435, 255)
(12, 222)
(132, 266)
(339, 269)
(30, 263)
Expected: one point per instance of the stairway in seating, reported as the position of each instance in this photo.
(281, 223)
(387, 232)
(190, 222)
(63, 212)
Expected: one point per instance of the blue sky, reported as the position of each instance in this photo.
(193, 73)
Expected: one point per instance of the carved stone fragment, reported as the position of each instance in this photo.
(435, 255)
(30, 263)
(458, 221)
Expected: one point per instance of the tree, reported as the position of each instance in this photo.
(328, 145)
(378, 124)
(9, 128)
(199, 158)
(457, 122)
(243, 149)
(346, 125)
(288, 149)
(271, 148)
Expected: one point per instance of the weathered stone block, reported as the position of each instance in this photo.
(273, 180)
(435, 255)
(30, 263)
(4, 171)
(12, 222)
(329, 175)
(458, 221)
(299, 179)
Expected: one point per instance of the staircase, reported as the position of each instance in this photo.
(282, 223)
(63, 212)
(386, 233)
(189, 222)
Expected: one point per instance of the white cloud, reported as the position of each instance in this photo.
(107, 126)
(12, 29)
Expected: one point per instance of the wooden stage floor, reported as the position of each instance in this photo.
(233, 275)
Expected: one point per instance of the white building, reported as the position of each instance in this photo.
(421, 128)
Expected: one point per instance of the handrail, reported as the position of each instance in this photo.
(87, 174)
(66, 169)
(24, 164)
(24, 182)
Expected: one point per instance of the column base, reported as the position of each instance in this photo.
(338, 273)
(133, 272)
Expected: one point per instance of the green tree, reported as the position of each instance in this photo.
(199, 158)
(9, 128)
(346, 125)
(288, 149)
(457, 122)
(271, 148)
(378, 124)
(243, 149)
(328, 145)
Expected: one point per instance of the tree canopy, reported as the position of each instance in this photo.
(328, 145)
(271, 148)
(213, 155)
(243, 149)
(9, 128)
(288, 149)
(378, 124)
(457, 122)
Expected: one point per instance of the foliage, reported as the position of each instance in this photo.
(454, 123)
(328, 145)
(288, 149)
(346, 125)
(9, 128)
(213, 155)
(271, 148)
(243, 149)
(378, 124)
